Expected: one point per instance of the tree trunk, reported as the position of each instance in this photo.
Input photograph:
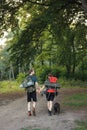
(84, 5)
(11, 72)
(68, 69)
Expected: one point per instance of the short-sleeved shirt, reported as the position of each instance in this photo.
(34, 78)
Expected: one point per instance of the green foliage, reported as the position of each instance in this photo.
(43, 71)
(69, 83)
(76, 101)
(9, 86)
(81, 70)
(46, 33)
(20, 77)
(82, 125)
(4, 62)
(58, 71)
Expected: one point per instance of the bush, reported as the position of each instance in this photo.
(43, 71)
(8, 86)
(20, 77)
(72, 83)
(81, 70)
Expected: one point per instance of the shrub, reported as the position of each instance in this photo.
(43, 71)
(20, 77)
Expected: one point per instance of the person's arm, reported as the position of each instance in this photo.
(42, 88)
(37, 87)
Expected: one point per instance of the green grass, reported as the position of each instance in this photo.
(75, 100)
(9, 86)
(72, 83)
(81, 125)
(12, 86)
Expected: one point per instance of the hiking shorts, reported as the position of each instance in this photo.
(50, 96)
(31, 96)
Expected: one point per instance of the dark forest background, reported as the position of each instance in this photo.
(47, 35)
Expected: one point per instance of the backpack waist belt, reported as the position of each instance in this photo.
(51, 90)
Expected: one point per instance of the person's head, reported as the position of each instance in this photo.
(31, 72)
(50, 75)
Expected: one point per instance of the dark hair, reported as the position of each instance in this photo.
(50, 74)
(31, 70)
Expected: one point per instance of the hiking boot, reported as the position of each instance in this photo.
(29, 113)
(49, 113)
(34, 112)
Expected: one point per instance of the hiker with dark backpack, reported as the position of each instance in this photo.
(51, 91)
(31, 90)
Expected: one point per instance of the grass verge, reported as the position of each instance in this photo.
(9, 86)
(75, 101)
(81, 125)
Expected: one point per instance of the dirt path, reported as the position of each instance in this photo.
(13, 116)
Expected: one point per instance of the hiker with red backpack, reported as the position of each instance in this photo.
(51, 91)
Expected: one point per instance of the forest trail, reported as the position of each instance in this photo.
(13, 116)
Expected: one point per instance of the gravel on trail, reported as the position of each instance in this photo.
(13, 116)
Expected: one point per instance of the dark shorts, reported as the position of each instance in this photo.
(50, 96)
(31, 96)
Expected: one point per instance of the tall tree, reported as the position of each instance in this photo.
(30, 18)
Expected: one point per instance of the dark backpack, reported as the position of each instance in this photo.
(31, 84)
(28, 82)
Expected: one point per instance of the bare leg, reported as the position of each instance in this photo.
(34, 106)
(29, 108)
(49, 106)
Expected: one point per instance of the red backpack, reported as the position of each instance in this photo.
(53, 79)
(52, 82)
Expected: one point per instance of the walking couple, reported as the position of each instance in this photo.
(32, 94)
